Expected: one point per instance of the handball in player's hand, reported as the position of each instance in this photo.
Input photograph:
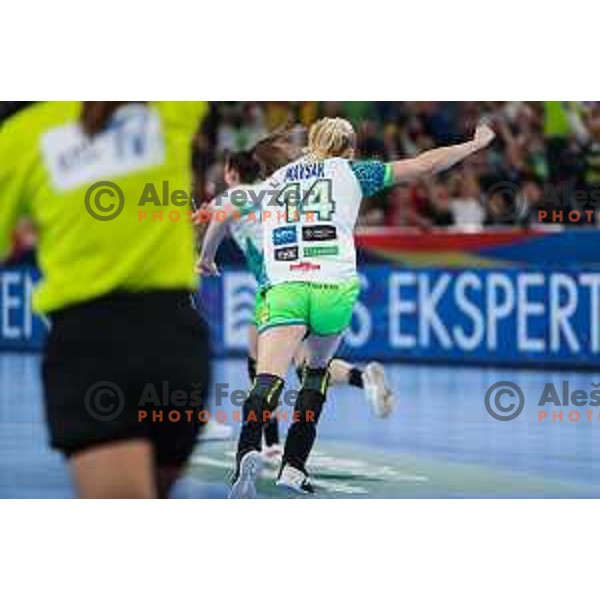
(206, 267)
(484, 135)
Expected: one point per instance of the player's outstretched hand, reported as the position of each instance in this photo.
(484, 135)
(206, 267)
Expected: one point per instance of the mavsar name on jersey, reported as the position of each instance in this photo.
(305, 171)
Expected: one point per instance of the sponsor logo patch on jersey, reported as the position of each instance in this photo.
(128, 146)
(287, 254)
(283, 236)
(305, 266)
(319, 233)
(313, 251)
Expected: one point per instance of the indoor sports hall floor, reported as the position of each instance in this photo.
(440, 442)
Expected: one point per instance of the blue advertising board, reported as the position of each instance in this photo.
(20, 329)
(513, 316)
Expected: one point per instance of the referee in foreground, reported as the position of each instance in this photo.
(115, 285)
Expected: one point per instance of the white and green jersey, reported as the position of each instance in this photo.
(245, 227)
(308, 227)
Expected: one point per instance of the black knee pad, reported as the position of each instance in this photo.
(316, 380)
(264, 395)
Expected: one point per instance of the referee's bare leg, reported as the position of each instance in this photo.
(123, 469)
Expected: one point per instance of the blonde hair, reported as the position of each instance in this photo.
(331, 137)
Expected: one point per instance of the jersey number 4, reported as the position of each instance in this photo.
(317, 199)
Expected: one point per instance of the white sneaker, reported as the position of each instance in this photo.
(377, 392)
(295, 480)
(244, 486)
(213, 431)
(272, 454)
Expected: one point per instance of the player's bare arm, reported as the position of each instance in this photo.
(215, 232)
(440, 159)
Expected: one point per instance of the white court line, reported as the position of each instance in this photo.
(334, 487)
(350, 467)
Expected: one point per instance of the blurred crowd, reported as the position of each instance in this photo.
(543, 169)
(546, 157)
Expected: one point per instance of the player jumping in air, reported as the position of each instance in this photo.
(311, 284)
(237, 212)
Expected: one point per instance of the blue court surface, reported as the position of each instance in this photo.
(440, 443)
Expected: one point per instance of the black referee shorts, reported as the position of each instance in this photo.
(127, 366)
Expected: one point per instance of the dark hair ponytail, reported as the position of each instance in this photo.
(95, 116)
(244, 164)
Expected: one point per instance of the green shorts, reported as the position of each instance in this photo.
(259, 302)
(325, 308)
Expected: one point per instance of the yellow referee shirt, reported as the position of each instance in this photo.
(111, 211)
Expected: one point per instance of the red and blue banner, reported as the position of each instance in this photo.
(541, 247)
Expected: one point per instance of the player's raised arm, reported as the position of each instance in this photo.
(440, 159)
